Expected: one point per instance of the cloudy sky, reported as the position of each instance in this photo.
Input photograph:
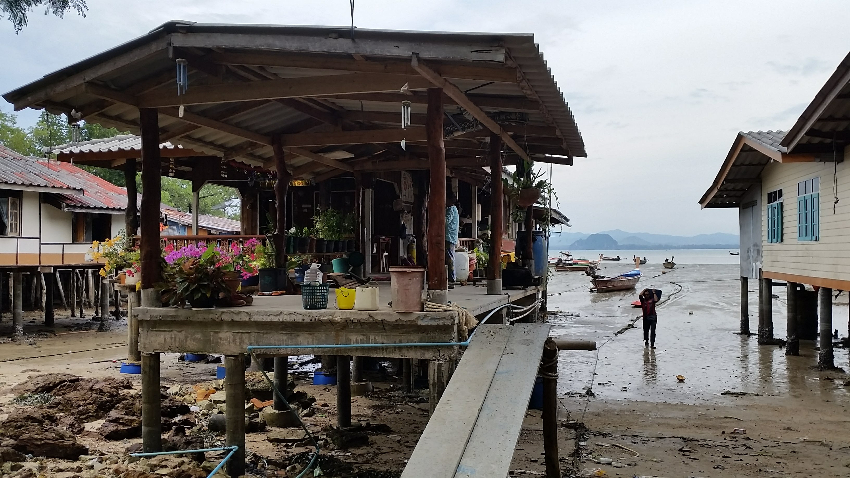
(658, 88)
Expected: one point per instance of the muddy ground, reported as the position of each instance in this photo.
(743, 410)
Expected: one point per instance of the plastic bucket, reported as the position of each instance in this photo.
(131, 368)
(345, 298)
(220, 372)
(340, 265)
(366, 298)
(536, 402)
(323, 378)
(407, 284)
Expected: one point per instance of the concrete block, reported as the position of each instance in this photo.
(279, 419)
(360, 388)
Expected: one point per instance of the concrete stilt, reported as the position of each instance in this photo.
(72, 291)
(407, 374)
(357, 369)
(104, 300)
(132, 327)
(343, 391)
(18, 304)
(826, 358)
(549, 372)
(793, 345)
(234, 387)
(438, 379)
(281, 380)
(151, 404)
(765, 311)
(49, 315)
(745, 313)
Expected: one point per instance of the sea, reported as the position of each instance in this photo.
(697, 336)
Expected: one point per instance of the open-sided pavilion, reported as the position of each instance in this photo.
(316, 103)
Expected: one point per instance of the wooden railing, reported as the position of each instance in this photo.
(218, 239)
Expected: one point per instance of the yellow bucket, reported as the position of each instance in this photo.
(345, 298)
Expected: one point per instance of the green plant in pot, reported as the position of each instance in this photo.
(193, 274)
(526, 189)
(330, 226)
(264, 262)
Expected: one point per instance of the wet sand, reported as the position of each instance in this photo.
(795, 417)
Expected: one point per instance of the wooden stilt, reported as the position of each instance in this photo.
(745, 313)
(18, 304)
(765, 311)
(72, 291)
(81, 290)
(438, 379)
(132, 327)
(549, 372)
(437, 278)
(131, 220)
(826, 359)
(151, 404)
(281, 380)
(58, 281)
(494, 270)
(104, 301)
(343, 391)
(48, 299)
(407, 375)
(793, 345)
(90, 292)
(234, 386)
(151, 197)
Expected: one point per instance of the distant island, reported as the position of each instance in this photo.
(622, 240)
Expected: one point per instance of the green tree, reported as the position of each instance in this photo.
(214, 200)
(17, 10)
(50, 130)
(14, 137)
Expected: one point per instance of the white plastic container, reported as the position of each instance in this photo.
(366, 298)
(313, 275)
(462, 266)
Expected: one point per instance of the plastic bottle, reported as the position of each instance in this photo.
(313, 275)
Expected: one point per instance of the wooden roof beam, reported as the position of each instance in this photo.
(283, 88)
(318, 158)
(461, 99)
(353, 137)
(513, 103)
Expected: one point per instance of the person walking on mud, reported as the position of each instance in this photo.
(648, 299)
(452, 229)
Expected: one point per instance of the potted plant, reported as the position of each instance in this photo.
(117, 255)
(526, 189)
(264, 263)
(193, 274)
(236, 262)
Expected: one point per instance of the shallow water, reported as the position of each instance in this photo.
(697, 324)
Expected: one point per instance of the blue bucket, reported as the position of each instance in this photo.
(131, 368)
(194, 357)
(323, 378)
(536, 402)
(219, 372)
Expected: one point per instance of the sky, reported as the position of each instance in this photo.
(659, 89)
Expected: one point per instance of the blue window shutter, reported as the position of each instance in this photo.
(801, 205)
(815, 216)
(778, 221)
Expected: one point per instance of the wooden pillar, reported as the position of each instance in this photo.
(407, 374)
(368, 217)
(131, 213)
(281, 188)
(437, 278)
(151, 404)
(793, 345)
(549, 372)
(476, 212)
(18, 304)
(343, 391)
(132, 327)
(826, 359)
(420, 216)
(358, 214)
(151, 197)
(281, 381)
(745, 312)
(494, 272)
(250, 211)
(438, 379)
(765, 311)
(234, 387)
(196, 204)
(48, 297)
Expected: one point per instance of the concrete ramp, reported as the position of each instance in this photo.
(475, 427)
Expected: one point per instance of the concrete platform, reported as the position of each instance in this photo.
(283, 321)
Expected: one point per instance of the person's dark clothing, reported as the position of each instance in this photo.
(649, 323)
(650, 318)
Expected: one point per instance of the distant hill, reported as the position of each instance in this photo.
(623, 240)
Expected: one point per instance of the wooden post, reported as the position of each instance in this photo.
(549, 372)
(343, 391)
(81, 291)
(438, 379)
(72, 291)
(745, 312)
(437, 279)
(494, 271)
(49, 315)
(793, 345)
(18, 304)
(281, 380)
(250, 211)
(358, 216)
(765, 311)
(132, 327)
(826, 358)
(368, 218)
(151, 197)
(131, 213)
(234, 387)
(151, 404)
(196, 204)
(281, 188)
(407, 374)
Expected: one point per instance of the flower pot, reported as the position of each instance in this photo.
(320, 245)
(122, 277)
(349, 245)
(251, 281)
(303, 244)
(340, 246)
(290, 244)
(311, 247)
(202, 302)
(528, 196)
(329, 245)
(232, 280)
(132, 278)
(267, 279)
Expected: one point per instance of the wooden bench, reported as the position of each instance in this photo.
(475, 427)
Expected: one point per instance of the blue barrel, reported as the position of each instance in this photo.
(540, 248)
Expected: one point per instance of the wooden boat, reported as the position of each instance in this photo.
(669, 264)
(734, 253)
(612, 284)
(574, 266)
(614, 259)
(642, 261)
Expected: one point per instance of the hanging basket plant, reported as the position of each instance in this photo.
(528, 196)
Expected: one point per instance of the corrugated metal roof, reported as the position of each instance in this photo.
(122, 142)
(206, 221)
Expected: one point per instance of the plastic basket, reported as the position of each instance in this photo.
(314, 296)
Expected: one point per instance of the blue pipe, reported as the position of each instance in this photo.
(202, 450)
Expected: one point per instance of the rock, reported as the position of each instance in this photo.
(171, 408)
(206, 405)
(254, 425)
(279, 419)
(174, 390)
(178, 440)
(90, 398)
(44, 383)
(217, 423)
(218, 397)
(33, 432)
(344, 439)
(10, 455)
(119, 426)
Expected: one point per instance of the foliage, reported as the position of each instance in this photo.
(264, 255)
(117, 254)
(239, 257)
(482, 258)
(214, 199)
(333, 225)
(532, 179)
(17, 10)
(12, 136)
(192, 272)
